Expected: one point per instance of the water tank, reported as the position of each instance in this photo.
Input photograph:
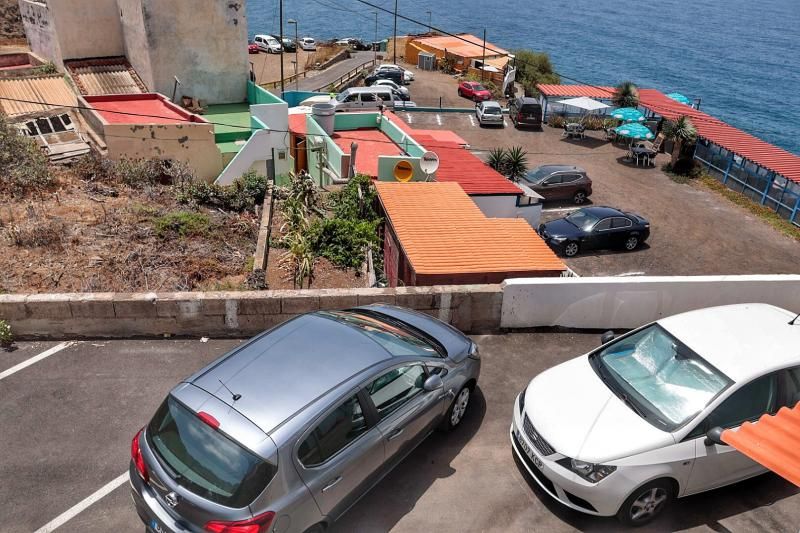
(324, 114)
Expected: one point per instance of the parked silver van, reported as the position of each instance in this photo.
(360, 98)
(286, 432)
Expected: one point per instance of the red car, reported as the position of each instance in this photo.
(474, 91)
(252, 48)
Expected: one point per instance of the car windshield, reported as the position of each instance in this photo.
(538, 174)
(478, 87)
(659, 377)
(205, 461)
(341, 97)
(391, 336)
(582, 219)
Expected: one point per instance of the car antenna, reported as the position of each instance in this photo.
(235, 396)
(794, 320)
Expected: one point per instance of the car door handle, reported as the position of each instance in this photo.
(449, 394)
(331, 484)
(394, 434)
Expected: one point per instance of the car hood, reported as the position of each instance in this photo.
(560, 227)
(574, 411)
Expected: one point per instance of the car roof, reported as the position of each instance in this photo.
(371, 89)
(491, 103)
(603, 211)
(559, 168)
(289, 367)
(526, 100)
(743, 341)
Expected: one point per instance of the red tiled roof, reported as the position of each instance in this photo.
(575, 90)
(732, 139)
(372, 143)
(438, 136)
(773, 441)
(297, 124)
(442, 231)
(456, 164)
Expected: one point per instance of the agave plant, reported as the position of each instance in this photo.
(626, 95)
(299, 259)
(497, 160)
(682, 132)
(516, 164)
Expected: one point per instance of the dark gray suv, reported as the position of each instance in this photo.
(560, 182)
(286, 432)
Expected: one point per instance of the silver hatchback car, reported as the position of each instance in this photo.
(288, 431)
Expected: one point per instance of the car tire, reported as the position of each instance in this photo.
(571, 249)
(316, 528)
(646, 503)
(460, 93)
(457, 409)
(631, 243)
(579, 198)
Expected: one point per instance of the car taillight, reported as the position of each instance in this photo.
(519, 116)
(138, 460)
(257, 524)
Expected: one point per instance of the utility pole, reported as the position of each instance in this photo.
(375, 42)
(394, 39)
(483, 61)
(281, 42)
(429, 20)
(296, 52)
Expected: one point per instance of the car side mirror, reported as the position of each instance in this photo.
(433, 383)
(607, 337)
(714, 436)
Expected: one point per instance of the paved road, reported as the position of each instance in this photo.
(328, 76)
(67, 421)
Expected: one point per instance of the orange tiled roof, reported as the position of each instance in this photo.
(588, 91)
(442, 231)
(473, 48)
(773, 441)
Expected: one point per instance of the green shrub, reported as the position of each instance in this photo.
(348, 204)
(22, 163)
(556, 121)
(6, 336)
(243, 195)
(181, 223)
(344, 241)
(46, 69)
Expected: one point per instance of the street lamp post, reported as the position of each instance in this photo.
(375, 42)
(430, 18)
(280, 21)
(296, 51)
(394, 39)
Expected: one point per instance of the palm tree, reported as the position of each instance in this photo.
(626, 95)
(497, 160)
(516, 163)
(681, 132)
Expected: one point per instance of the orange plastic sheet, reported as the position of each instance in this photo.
(773, 441)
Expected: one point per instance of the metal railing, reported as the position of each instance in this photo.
(277, 83)
(349, 76)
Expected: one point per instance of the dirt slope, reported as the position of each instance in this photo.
(10, 21)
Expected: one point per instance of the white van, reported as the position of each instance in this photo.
(267, 43)
(358, 98)
(309, 44)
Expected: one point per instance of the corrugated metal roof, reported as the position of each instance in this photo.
(732, 139)
(51, 89)
(576, 90)
(105, 76)
(773, 441)
(453, 45)
(442, 231)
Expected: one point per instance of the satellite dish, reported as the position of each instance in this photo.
(403, 171)
(429, 163)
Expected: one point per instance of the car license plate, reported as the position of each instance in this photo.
(157, 528)
(528, 451)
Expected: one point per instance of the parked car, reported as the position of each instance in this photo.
(289, 45)
(365, 98)
(268, 44)
(489, 113)
(525, 111)
(252, 48)
(258, 438)
(394, 74)
(635, 423)
(408, 76)
(389, 83)
(474, 91)
(353, 43)
(308, 44)
(595, 228)
(560, 182)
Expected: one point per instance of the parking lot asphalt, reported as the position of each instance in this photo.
(68, 420)
(694, 231)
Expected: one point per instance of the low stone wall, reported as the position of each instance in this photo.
(470, 308)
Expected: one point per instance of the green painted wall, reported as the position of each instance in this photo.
(402, 139)
(355, 121)
(258, 95)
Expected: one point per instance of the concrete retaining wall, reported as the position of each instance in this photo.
(624, 303)
(471, 308)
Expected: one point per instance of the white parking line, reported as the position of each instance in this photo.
(438, 119)
(472, 121)
(35, 359)
(78, 508)
(627, 274)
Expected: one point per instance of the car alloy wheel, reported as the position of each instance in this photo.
(579, 197)
(459, 407)
(571, 249)
(648, 504)
(631, 243)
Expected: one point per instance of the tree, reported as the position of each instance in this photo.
(626, 95)
(516, 164)
(682, 132)
(497, 160)
(534, 68)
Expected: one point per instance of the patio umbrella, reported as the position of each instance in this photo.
(634, 131)
(584, 103)
(678, 97)
(628, 114)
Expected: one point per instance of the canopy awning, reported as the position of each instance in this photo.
(772, 441)
(584, 103)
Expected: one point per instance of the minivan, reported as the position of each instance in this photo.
(288, 431)
(525, 111)
(358, 98)
(267, 43)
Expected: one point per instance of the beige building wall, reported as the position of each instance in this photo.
(201, 42)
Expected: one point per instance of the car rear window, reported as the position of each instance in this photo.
(530, 108)
(204, 460)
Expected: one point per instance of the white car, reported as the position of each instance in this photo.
(489, 113)
(397, 88)
(637, 422)
(267, 43)
(308, 44)
(408, 76)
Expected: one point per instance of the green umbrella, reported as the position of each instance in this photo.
(628, 114)
(634, 131)
(678, 97)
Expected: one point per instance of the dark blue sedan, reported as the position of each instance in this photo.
(595, 228)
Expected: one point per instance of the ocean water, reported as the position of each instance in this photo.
(742, 58)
